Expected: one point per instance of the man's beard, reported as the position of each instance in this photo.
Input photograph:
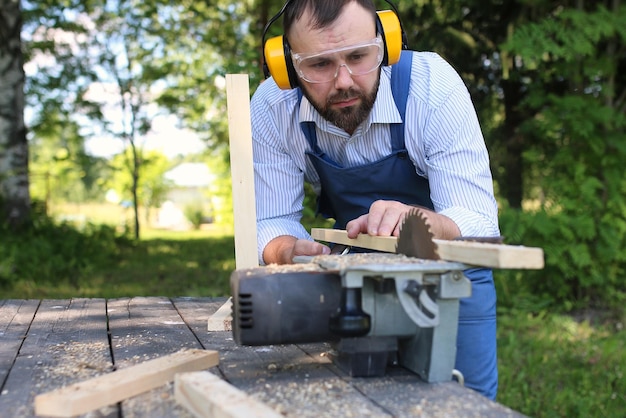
(347, 118)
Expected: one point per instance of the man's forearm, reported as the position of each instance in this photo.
(441, 226)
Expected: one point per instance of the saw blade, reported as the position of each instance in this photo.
(415, 238)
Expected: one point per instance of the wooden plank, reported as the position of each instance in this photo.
(491, 255)
(404, 395)
(15, 318)
(242, 173)
(483, 254)
(207, 396)
(338, 236)
(108, 389)
(222, 319)
(67, 342)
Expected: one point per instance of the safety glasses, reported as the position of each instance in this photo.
(322, 67)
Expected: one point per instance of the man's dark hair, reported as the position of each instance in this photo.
(324, 12)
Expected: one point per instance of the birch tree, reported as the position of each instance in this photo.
(14, 194)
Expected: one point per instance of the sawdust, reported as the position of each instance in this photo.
(73, 361)
(381, 261)
(67, 363)
(158, 402)
(340, 262)
(315, 399)
(284, 268)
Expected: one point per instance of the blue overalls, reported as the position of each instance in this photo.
(348, 192)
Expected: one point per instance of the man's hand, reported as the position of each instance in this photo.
(282, 249)
(385, 219)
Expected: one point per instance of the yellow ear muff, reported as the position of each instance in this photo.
(392, 35)
(276, 61)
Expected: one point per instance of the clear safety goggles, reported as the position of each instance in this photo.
(322, 67)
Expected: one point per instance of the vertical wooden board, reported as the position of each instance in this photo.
(15, 319)
(242, 172)
(67, 342)
(144, 328)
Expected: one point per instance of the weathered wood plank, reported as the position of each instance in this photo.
(142, 329)
(15, 319)
(483, 254)
(67, 342)
(207, 396)
(108, 389)
(437, 400)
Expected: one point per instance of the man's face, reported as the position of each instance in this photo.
(347, 99)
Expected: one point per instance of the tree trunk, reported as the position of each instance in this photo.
(14, 187)
(513, 184)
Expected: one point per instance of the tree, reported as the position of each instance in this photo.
(152, 186)
(573, 73)
(14, 192)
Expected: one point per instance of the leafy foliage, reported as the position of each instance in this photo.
(44, 252)
(573, 154)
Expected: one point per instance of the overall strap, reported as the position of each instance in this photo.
(400, 81)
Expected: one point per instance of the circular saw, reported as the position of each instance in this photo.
(416, 238)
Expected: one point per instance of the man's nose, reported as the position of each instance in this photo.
(343, 79)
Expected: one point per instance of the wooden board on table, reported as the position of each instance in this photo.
(114, 387)
(482, 254)
(207, 396)
(222, 319)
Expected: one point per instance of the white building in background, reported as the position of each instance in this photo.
(191, 182)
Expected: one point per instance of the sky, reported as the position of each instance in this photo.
(165, 137)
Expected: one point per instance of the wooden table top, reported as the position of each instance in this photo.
(48, 344)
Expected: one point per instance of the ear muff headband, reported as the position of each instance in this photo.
(277, 52)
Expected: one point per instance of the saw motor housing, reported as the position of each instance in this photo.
(374, 309)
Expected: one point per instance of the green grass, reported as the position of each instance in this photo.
(163, 263)
(550, 364)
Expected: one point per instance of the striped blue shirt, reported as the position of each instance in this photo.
(442, 136)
